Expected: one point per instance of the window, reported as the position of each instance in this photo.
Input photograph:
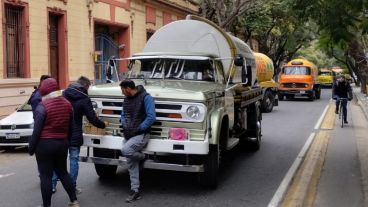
(182, 69)
(297, 70)
(14, 42)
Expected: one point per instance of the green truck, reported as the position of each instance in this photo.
(201, 79)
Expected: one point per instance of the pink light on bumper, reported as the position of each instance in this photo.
(178, 134)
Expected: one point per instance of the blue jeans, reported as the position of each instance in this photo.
(73, 168)
(74, 164)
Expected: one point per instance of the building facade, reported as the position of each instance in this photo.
(69, 38)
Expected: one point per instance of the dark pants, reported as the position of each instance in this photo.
(51, 155)
(344, 104)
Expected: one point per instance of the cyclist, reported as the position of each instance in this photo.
(341, 89)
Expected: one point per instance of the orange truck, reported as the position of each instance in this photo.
(299, 78)
(265, 72)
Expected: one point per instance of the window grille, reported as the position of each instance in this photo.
(14, 42)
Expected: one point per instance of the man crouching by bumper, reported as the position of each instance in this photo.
(137, 116)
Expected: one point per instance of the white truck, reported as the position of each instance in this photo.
(201, 79)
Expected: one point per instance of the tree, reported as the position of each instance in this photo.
(343, 25)
(279, 30)
(226, 12)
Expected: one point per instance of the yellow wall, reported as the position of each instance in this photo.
(80, 35)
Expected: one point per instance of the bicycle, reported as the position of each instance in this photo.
(341, 113)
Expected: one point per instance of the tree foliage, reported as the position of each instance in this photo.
(343, 28)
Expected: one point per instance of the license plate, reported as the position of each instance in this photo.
(12, 136)
(302, 92)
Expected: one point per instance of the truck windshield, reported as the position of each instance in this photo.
(298, 70)
(196, 70)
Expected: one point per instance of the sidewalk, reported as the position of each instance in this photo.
(343, 181)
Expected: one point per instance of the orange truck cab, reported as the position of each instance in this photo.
(299, 78)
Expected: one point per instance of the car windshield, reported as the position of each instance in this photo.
(297, 70)
(25, 107)
(325, 73)
(183, 69)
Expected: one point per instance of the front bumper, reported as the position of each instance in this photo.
(295, 92)
(153, 146)
(23, 135)
(161, 147)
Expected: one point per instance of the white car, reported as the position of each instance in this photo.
(17, 128)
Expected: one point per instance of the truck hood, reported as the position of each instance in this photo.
(168, 89)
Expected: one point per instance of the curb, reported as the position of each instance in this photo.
(362, 101)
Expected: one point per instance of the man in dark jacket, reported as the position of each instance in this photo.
(77, 94)
(342, 89)
(35, 98)
(137, 116)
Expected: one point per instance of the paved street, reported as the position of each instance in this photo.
(246, 179)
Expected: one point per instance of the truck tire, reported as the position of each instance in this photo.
(254, 132)
(312, 96)
(281, 97)
(318, 93)
(267, 102)
(255, 142)
(209, 177)
(105, 171)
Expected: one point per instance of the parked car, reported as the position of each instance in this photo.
(17, 128)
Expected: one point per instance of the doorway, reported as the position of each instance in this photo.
(111, 41)
(58, 52)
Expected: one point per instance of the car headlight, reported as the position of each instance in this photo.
(193, 112)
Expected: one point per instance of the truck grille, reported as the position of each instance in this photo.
(20, 126)
(295, 85)
(168, 115)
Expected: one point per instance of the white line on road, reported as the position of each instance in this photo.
(318, 124)
(6, 175)
(280, 192)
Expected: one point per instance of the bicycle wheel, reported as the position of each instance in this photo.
(341, 115)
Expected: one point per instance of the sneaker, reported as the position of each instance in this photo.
(133, 197)
(74, 204)
(346, 122)
(78, 191)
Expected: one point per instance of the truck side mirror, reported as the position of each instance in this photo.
(239, 60)
(247, 75)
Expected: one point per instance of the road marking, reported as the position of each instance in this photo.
(319, 122)
(280, 192)
(6, 175)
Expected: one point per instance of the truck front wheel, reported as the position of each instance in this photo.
(105, 171)
(209, 177)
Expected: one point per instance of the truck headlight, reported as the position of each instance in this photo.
(94, 105)
(193, 112)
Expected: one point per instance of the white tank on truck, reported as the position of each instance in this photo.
(202, 81)
(194, 36)
(265, 74)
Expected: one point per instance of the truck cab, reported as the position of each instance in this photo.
(325, 77)
(299, 78)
